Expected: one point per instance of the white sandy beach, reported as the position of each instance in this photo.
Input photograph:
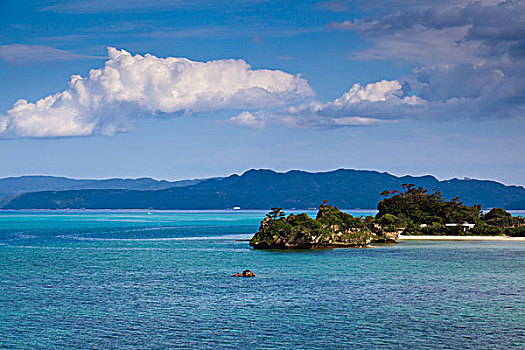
(460, 238)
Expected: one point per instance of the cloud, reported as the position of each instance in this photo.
(468, 57)
(345, 25)
(284, 57)
(369, 104)
(381, 91)
(20, 54)
(108, 99)
(358, 121)
(124, 6)
(249, 120)
(468, 62)
(252, 31)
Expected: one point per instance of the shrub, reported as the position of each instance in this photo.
(515, 231)
(392, 221)
(482, 229)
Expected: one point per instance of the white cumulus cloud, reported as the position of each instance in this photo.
(248, 119)
(381, 91)
(369, 104)
(107, 100)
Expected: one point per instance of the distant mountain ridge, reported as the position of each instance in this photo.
(11, 186)
(262, 189)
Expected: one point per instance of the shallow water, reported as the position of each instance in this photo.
(117, 280)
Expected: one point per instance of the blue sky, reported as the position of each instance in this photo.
(210, 88)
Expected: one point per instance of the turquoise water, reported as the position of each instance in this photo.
(129, 280)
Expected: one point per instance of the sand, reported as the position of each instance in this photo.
(461, 238)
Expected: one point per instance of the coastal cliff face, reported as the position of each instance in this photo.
(331, 228)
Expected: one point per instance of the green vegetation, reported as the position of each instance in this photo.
(411, 212)
(331, 228)
(421, 213)
(275, 213)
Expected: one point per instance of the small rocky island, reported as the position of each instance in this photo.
(331, 229)
(245, 273)
(411, 211)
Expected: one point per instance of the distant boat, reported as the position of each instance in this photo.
(236, 208)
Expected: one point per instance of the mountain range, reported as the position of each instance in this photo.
(255, 189)
(11, 186)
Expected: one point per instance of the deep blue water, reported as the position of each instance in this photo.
(129, 280)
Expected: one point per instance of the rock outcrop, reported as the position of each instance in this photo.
(388, 235)
(245, 273)
(330, 229)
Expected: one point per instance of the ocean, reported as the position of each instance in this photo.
(162, 280)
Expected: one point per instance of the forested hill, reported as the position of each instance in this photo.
(262, 189)
(11, 186)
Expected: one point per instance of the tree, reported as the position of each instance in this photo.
(275, 213)
(387, 193)
(437, 195)
(407, 188)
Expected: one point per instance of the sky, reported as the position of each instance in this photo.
(174, 89)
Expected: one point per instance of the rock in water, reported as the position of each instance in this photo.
(331, 228)
(245, 273)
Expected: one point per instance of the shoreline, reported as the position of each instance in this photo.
(460, 238)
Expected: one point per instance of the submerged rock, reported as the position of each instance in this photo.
(245, 273)
(331, 228)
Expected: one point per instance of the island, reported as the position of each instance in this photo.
(331, 228)
(412, 211)
(417, 212)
